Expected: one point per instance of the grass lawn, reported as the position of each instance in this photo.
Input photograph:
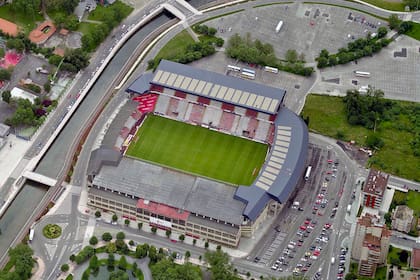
(327, 116)
(412, 199)
(101, 12)
(388, 5)
(87, 27)
(415, 31)
(176, 45)
(393, 253)
(24, 21)
(198, 150)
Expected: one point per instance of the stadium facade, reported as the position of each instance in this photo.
(189, 204)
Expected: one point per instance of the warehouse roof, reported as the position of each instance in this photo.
(213, 85)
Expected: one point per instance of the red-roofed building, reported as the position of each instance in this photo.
(41, 34)
(415, 259)
(370, 244)
(374, 188)
(8, 27)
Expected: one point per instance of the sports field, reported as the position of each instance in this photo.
(198, 150)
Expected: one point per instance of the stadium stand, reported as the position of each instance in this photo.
(189, 204)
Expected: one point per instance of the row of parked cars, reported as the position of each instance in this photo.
(341, 264)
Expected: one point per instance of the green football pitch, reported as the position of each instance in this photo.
(198, 150)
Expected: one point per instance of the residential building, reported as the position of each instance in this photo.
(402, 218)
(374, 188)
(370, 244)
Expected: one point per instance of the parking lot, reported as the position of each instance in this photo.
(295, 86)
(307, 28)
(300, 239)
(396, 76)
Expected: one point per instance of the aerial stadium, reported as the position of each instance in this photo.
(199, 153)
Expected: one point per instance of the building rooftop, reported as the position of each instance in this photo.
(376, 183)
(415, 258)
(216, 86)
(162, 209)
(8, 27)
(41, 34)
(176, 189)
(283, 168)
(403, 212)
(371, 240)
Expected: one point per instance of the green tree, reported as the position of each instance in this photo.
(94, 264)
(127, 222)
(168, 233)
(72, 257)
(291, 56)
(206, 245)
(220, 266)
(98, 214)
(24, 263)
(139, 225)
(47, 87)
(65, 267)
(194, 241)
(350, 276)
(388, 219)
(114, 218)
(181, 238)
(106, 236)
(122, 263)
(93, 240)
(373, 141)
(322, 62)
(394, 21)
(187, 254)
(4, 75)
(120, 235)
(111, 247)
(6, 95)
(154, 229)
(403, 256)
(111, 260)
(382, 31)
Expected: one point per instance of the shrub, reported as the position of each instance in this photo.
(93, 240)
(65, 267)
(52, 231)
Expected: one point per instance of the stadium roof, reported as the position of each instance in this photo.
(161, 185)
(101, 157)
(283, 168)
(212, 85)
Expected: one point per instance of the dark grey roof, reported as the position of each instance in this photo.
(4, 130)
(183, 191)
(290, 172)
(215, 86)
(102, 156)
(141, 84)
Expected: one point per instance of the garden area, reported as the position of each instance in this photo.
(51, 231)
(398, 257)
(394, 133)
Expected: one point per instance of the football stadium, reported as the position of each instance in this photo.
(199, 153)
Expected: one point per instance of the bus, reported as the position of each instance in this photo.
(31, 234)
(279, 26)
(362, 74)
(249, 71)
(248, 76)
(308, 172)
(271, 69)
(234, 68)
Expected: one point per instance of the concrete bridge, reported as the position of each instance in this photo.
(39, 178)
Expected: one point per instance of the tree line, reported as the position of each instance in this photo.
(357, 49)
(256, 52)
